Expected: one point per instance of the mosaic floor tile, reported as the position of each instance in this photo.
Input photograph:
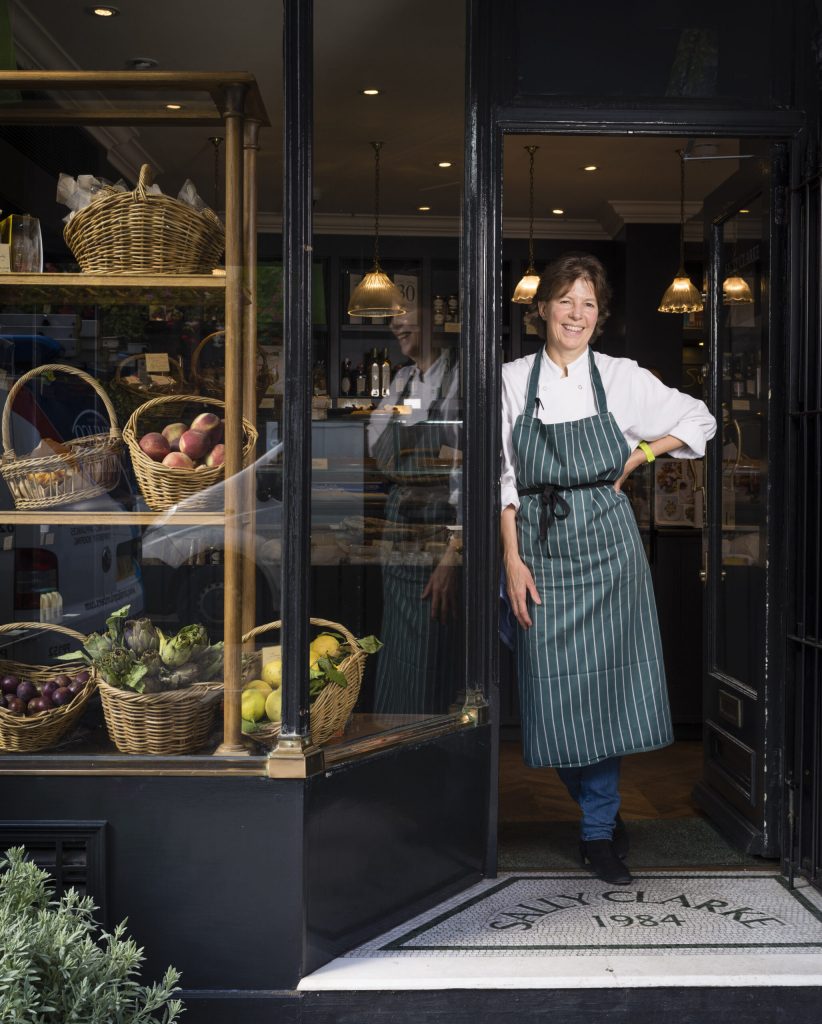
(569, 913)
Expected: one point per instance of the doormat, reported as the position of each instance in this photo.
(656, 843)
(572, 914)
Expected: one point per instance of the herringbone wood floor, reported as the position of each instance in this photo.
(654, 785)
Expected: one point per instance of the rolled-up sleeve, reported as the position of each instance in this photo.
(658, 410)
(512, 403)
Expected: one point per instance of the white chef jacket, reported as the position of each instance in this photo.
(643, 407)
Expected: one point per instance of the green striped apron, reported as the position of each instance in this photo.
(591, 677)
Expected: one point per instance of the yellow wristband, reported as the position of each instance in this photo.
(649, 455)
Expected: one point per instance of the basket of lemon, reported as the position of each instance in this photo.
(336, 663)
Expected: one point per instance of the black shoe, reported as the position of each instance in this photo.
(620, 839)
(599, 853)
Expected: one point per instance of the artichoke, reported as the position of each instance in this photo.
(140, 636)
(119, 669)
(180, 678)
(210, 662)
(96, 645)
(190, 642)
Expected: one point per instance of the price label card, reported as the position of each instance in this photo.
(157, 362)
(5, 259)
(408, 285)
(319, 463)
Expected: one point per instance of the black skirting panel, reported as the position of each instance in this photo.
(388, 837)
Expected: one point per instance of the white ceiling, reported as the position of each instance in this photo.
(412, 50)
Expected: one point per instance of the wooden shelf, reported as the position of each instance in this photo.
(93, 288)
(91, 518)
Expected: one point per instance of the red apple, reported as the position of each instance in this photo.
(178, 460)
(206, 423)
(216, 456)
(155, 446)
(172, 433)
(195, 444)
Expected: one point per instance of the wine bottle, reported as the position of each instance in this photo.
(361, 381)
(385, 374)
(345, 378)
(374, 373)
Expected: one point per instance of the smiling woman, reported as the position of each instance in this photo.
(589, 657)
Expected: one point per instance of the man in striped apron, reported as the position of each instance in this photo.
(589, 657)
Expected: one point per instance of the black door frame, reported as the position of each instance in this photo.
(487, 123)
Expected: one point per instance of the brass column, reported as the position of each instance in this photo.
(234, 496)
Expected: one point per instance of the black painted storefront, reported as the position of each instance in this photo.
(247, 883)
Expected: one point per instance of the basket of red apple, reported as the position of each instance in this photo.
(39, 704)
(177, 449)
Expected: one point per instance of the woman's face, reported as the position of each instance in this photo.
(408, 335)
(570, 319)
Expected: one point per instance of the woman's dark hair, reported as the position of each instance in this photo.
(560, 274)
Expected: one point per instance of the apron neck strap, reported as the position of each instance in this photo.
(533, 385)
(596, 383)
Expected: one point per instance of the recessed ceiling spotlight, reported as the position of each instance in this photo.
(103, 11)
(370, 92)
(444, 163)
(141, 63)
(558, 212)
(744, 211)
(590, 167)
(174, 106)
(423, 209)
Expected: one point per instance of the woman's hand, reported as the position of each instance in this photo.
(520, 584)
(635, 459)
(442, 589)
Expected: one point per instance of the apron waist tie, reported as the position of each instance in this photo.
(552, 505)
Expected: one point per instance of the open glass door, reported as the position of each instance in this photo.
(740, 778)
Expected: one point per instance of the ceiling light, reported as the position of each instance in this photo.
(103, 11)
(370, 92)
(527, 285)
(681, 296)
(141, 63)
(423, 208)
(701, 344)
(558, 212)
(444, 163)
(376, 294)
(744, 211)
(736, 291)
(174, 106)
(590, 167)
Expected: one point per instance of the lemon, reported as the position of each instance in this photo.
(252, 704)
(274, 706)
(272, 672)
(325, 645)
(258, 684)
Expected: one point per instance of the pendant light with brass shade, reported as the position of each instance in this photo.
(526, 289)
(376, 294)
(681, 296)
(735, 289)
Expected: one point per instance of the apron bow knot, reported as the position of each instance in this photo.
(552, 507)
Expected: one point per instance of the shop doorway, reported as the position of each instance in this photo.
(711, 798)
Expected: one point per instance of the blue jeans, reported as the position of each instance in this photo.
(595, 787)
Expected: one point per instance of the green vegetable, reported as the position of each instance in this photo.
(119, 669)
(190, 642)
(210, 662)
(140, 636)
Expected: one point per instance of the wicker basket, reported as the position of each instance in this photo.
(26, 734)
(91, 467)
(138, 233)
(161, 486)
(334, 704)
(128, 396)
(210, 380)
(177, 722)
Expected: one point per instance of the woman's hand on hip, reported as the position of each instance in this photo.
(520, 584)
(635, 459)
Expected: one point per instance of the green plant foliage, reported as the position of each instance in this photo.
(57, 967)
